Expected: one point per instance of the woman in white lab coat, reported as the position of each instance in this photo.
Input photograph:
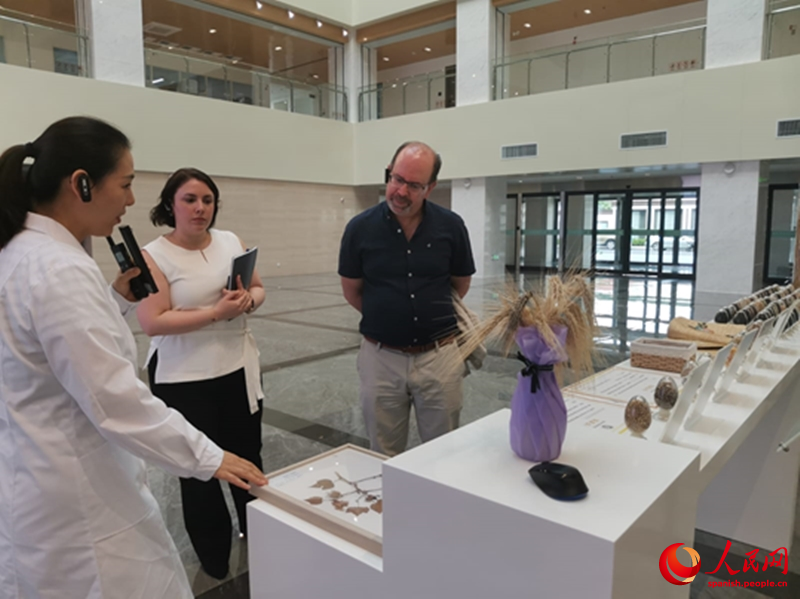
(77, 520)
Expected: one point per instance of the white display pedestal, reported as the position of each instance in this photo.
(463, 519)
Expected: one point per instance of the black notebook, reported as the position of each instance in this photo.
(243, 265)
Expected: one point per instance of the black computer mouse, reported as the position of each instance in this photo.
(559, 481)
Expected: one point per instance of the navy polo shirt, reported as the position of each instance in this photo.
(407, 297)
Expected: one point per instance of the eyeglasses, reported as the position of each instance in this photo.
(412, 187)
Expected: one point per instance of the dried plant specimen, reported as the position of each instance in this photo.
(323, 484)
(638, 416)
(666, 393)
(567, 301)
(352, 498)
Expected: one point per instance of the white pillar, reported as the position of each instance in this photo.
(475, 43)
(731, 222)
(734, 32)
(116, 40)
(481, 203)
(731, 229)
(360, 69)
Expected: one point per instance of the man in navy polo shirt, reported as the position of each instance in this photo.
(400, 262)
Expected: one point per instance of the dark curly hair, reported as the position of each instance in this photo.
(162, 213)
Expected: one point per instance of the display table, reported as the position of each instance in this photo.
(748, 490)
(462, 518)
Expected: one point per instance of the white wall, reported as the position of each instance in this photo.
(170, 130)
(717, 115)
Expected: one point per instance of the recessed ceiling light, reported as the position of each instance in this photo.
(259, 6)
(427, 49)
(291, 15)
(386, 59)
(527, 25)
(278, 48)
(345, 32)
(235, 60)
(315, 76)
(364, 40)
(319, 24)
(212, 30)
(587, 11)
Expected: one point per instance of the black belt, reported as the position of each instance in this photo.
(413, 349)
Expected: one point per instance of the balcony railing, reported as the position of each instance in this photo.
(420, 93)
(198, 77)
(42, 47)
(656, 53)
(784, 29)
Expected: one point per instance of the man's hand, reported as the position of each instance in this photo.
(239, 471)
(122, 283)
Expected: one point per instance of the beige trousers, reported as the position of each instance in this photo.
(393, 381)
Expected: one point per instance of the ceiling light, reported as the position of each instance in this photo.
(278, 48)
(427, 49)
(527, 25)
(345, 32)
(259, 6)
(315, 76)
(587, 11)
(319, 24)
(212, 30)
(291, 15)
(386, 59)
(364, 40)
(157, 81)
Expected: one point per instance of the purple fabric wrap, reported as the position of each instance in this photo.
(539, 420)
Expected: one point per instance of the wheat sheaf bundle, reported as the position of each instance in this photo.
(567, 300)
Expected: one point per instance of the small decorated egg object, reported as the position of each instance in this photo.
(666, 393)
(637, 414)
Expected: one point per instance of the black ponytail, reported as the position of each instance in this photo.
(71, 144)
(15, 194)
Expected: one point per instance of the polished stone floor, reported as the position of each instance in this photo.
(308, 338)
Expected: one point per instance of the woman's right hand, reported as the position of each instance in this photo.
(239, 472)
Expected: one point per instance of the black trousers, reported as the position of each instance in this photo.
(219, 408)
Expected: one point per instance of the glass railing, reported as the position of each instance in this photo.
(784, 29)
(42, 47)
(420, 93)
(680, 48)
(198, 77)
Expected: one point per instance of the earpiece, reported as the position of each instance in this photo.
(85, 188)
(387, 176)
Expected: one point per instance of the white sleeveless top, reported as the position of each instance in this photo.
(196, 280)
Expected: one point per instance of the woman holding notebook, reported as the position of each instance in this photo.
(203, 359)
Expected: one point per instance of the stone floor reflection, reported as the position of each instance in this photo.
(308, 338)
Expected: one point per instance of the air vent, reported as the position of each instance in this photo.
(160, 29)
(643, 140)
(520, 151)
(789, 128)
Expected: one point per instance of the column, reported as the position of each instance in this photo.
(732, 212)
(116, 45)
(734, 32)
(475, 46)
(360, 69)
(731, 229)
(481, 202)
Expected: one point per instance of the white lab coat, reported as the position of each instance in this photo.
(77, 520)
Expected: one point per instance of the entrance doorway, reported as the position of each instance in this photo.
(644, 232)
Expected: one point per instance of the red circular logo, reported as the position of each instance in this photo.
(668, 556)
